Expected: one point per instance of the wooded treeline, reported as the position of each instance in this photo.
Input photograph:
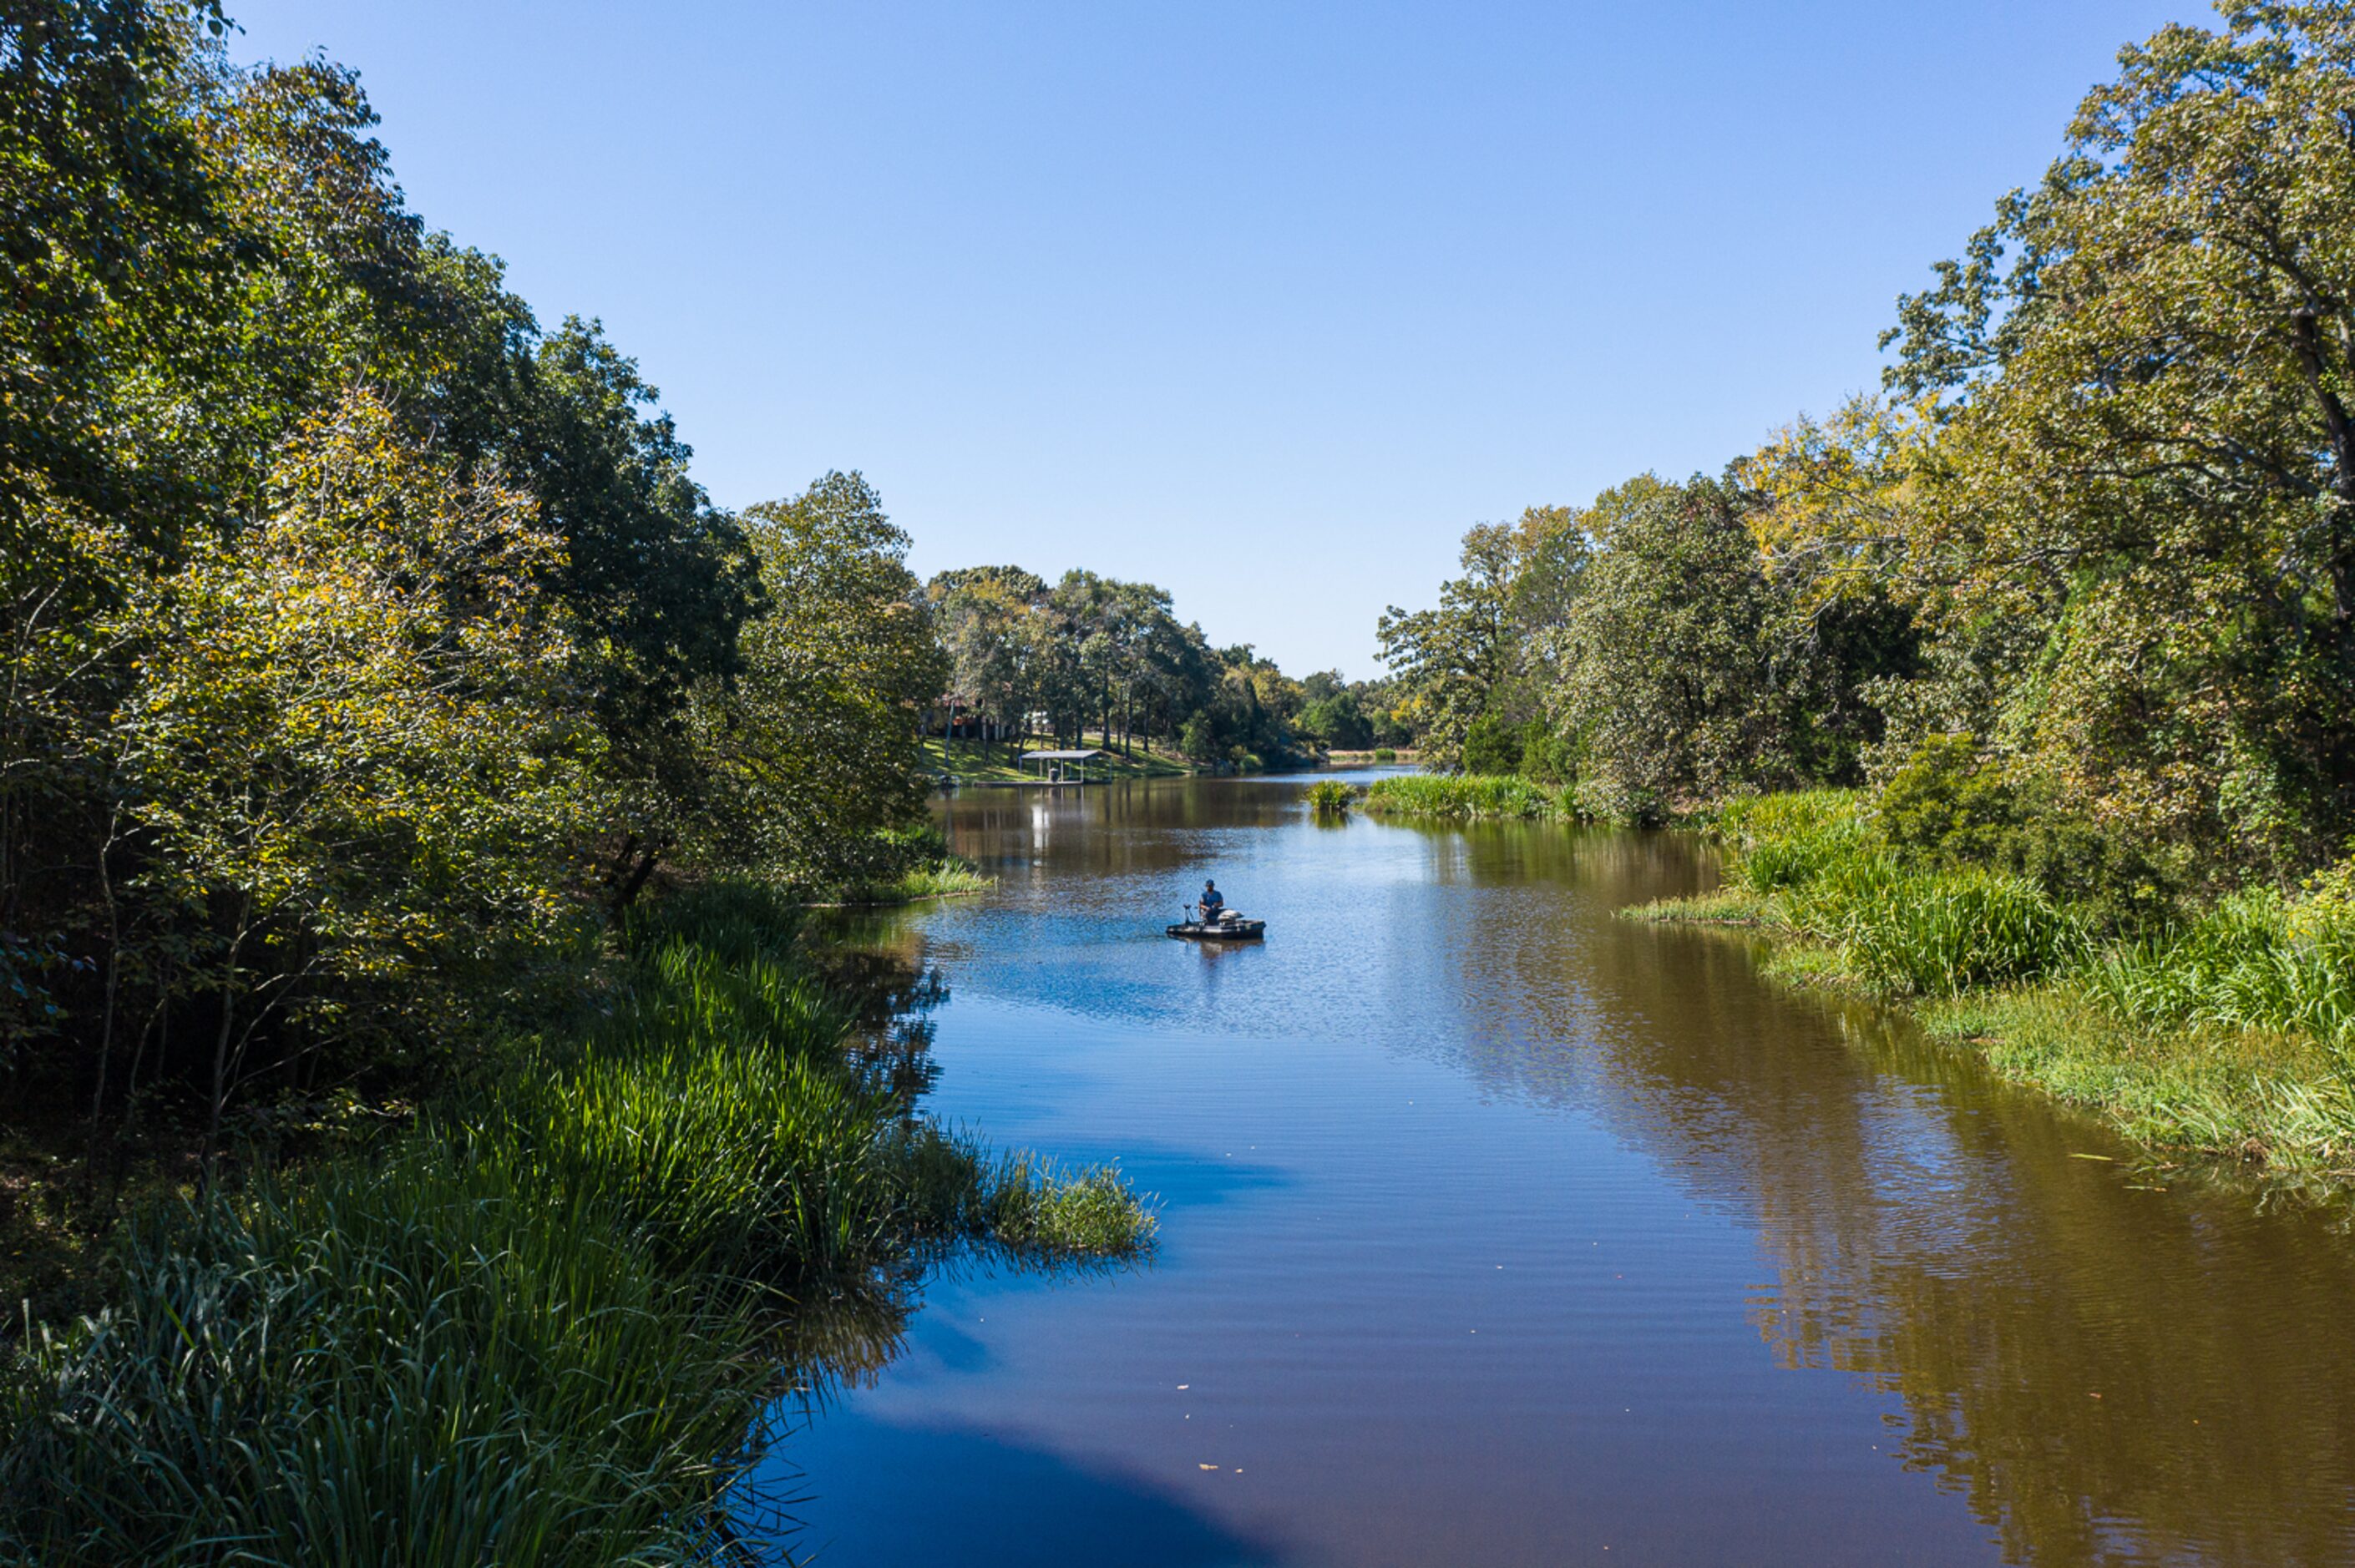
(369, 644)
(2083, 571)
(1093, 653)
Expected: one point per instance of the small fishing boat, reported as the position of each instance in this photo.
(1228, 928)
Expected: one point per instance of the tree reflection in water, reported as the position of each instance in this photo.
(2108, 1373)
(876, 967)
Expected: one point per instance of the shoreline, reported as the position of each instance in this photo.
(2252, 1095)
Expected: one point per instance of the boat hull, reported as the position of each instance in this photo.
(1219, 931)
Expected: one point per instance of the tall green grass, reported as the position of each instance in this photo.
(1793, 839)
(1331, 798)
(2253, 961)
(418, 1361)
(1901, 930)
(1463, 797)
(1954, 931)
(536, 1328)
(2233, 1032)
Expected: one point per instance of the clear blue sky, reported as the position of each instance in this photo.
(1262, 303)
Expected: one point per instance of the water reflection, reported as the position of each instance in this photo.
(2109, 1374)
(876, 965)
(2084, 1370)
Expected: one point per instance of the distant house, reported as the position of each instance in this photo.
(953, 716)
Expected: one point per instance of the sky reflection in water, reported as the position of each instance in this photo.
(1497, 1230)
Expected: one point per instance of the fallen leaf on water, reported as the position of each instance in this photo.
(2103, 1157)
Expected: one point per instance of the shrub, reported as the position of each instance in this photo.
(1492, 746)
(1546, 756)
(1385, 754)
(1946, 806)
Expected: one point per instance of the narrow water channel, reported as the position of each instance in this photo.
(1499, 1230)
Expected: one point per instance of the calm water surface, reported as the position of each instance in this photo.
(1496, 1230)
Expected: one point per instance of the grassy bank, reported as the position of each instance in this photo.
(944, 877)
(1466, 798)
(971, 762)
(539, 1325)
(2227, 1030)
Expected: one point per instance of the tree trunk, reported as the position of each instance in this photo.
(628, 892)
(114, 972)
(221, 1050)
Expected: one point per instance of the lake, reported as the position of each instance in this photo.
(1498, 1230)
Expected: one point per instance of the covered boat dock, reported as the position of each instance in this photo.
(1056, 766)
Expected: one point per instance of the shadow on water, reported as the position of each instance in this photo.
(1016, 1506)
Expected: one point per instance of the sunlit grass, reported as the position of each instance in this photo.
(2238, 1094)
(1463, 797)
(1331, 798)
(2232, 1034)
(1724, 906)
(945, 878)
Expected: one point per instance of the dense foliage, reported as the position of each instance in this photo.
(369, 646)
(2086, 571)
(1093, 652)
(372, 655)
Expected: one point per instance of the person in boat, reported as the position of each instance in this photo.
(1212, 902)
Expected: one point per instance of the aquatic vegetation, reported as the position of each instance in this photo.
(1089, 1213)
(1465, 797)
(2281, 1100)
(530, 1328)
(1791, 840)
(1330, 797)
